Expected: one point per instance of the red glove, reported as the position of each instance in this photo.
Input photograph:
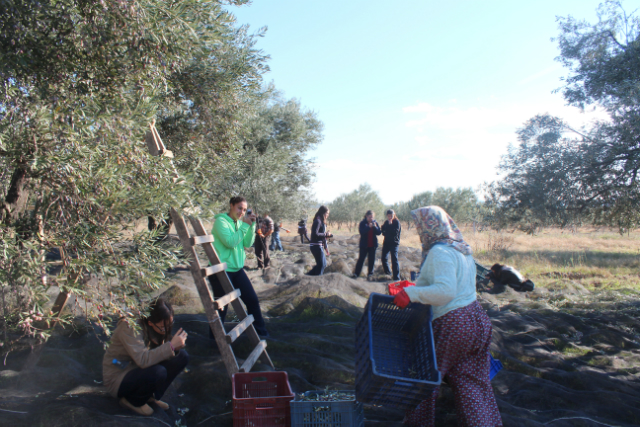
(402, 299)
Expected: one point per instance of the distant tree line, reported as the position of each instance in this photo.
(348, 209)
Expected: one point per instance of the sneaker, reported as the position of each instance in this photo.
(264, 334)
(160, 403)
(370, 278)
(142, 410)
(354, 276)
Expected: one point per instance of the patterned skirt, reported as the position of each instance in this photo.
(462, 338)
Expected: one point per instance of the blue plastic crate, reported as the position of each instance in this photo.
(346, 413)
(395, 354)
(481, 273)
(496, 366)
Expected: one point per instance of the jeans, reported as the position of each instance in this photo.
(139, 385)
(239, 280)
(321, 261)
(275, 242)
(364, 253)
(393, 250)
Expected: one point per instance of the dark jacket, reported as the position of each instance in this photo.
(364, 233)
(318, 233)
(391, 233)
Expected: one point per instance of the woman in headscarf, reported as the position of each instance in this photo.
(461, 327)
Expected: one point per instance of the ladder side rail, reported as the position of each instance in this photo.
(227, 286)
(206, 297)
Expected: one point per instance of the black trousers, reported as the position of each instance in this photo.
(262, 252)
(364, 253)
(239, 280)
(395, 267)
(139, 385)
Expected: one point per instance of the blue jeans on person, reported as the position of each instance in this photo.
(240, 280)
(364, 253)
(395, 267)
(139, 385)
(321, 261)
(275, 242)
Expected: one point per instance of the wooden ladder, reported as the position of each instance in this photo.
(211, 306)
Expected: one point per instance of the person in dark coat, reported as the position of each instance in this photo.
(318, 241)
(391, 231)
(502, 275)
(302, 230)
(369, 232)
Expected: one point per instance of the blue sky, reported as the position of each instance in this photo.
(415, 95)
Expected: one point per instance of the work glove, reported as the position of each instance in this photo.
(402, 299)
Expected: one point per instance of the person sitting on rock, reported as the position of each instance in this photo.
(318, 241)
(137, 367)
(369, 232)
(502, 275)
(461, 327)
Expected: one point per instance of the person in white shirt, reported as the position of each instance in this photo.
(461, 327)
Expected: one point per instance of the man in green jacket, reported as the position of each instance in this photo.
(232, 232)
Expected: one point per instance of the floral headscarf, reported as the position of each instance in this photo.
(434, 225)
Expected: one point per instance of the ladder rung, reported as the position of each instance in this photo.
(239, 329)
(253, 357)
(223, 301)
(199, 240)
(214, 269)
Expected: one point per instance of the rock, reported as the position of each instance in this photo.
(339, 266)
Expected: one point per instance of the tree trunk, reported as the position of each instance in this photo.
(15, 203)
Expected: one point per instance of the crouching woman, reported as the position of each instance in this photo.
(139, 367)
(461, 327)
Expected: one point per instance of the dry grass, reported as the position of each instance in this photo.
(596, 259)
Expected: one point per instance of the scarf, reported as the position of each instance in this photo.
(434, 227)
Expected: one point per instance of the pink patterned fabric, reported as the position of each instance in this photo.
(434, 225)
(462, 339)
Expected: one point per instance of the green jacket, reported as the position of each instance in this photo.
(229, 237)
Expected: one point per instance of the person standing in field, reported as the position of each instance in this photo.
(391, 230)
(138, 367)
(302, 230)
(233, 232)
(275, 237)
(265, 229)
(369, 232)
(318, 241)
(461, 327)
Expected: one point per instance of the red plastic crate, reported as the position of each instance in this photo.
(395, 288)
(261, 399)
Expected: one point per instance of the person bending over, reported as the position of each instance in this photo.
(137, 367)
(369, 232)
(461, 327)
(391, 231)
(318, 241)
(502, 275)
(232, 232)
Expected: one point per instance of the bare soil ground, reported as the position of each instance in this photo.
(571, 350)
